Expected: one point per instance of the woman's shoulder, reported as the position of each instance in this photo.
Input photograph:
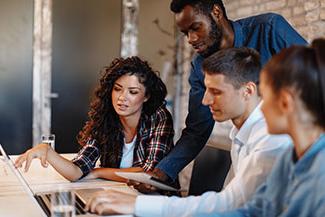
(161, 113)
(318, 162)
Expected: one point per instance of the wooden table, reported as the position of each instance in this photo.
(14, 200)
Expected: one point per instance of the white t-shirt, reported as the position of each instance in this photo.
(127, 157)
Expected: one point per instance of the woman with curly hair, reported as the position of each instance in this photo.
(129, 127)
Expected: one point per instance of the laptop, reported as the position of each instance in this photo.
(44, 199)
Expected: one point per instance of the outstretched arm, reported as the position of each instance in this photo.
(109, 173)
(47, 155)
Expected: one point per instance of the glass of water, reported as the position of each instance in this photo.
(49, 139)
(63, 204)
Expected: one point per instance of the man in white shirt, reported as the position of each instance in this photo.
(231, 78)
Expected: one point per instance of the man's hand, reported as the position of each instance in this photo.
(146, 188)
(111, 202)
(142, 187)
(159, 174)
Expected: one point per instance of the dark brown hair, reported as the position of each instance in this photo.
(238, 65)
(302, 68)
(104, 124)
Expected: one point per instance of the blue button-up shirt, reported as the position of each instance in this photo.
(294, 188)
(268, 34)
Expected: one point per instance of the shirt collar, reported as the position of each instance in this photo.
(238, 34)
(243, 133)
(307, 158)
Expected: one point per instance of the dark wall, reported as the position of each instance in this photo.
(86, 36)
(16, 36)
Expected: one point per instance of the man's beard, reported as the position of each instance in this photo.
(215, 35)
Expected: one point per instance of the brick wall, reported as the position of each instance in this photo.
(307, 17)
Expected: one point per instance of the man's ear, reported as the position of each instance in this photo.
(250, 89)
(216, 13)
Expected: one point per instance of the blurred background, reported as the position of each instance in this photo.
(86, 35)
(51, 52)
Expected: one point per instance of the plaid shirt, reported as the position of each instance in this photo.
(154, 141)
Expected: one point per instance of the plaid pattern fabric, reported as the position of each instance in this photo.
(154, 141)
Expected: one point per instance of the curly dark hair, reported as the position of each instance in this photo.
(104, 124)
(202, 6)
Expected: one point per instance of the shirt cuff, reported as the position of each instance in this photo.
(148, 206)
(85, 171)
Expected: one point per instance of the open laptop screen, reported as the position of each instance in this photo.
(41, 199)
(20, 178)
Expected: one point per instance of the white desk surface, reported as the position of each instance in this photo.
(15, 202)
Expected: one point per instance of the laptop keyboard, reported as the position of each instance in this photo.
(44, 201)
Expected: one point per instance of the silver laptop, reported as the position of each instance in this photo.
(44, 199)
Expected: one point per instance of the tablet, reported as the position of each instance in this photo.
(146, 179)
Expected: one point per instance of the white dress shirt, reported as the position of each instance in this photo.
(253, 153)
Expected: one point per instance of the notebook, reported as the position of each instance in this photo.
(44, 199)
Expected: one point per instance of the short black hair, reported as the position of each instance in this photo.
(302, 68)
(203, 6)
(238, 65)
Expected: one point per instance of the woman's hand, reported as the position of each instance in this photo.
(47, 155)
(40, 151)
(109, 173)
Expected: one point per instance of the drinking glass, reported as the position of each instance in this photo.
(63, 204)
(49, 139)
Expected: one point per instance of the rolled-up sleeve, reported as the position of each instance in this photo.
(87, 158)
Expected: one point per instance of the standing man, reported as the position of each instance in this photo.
(207, 28)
